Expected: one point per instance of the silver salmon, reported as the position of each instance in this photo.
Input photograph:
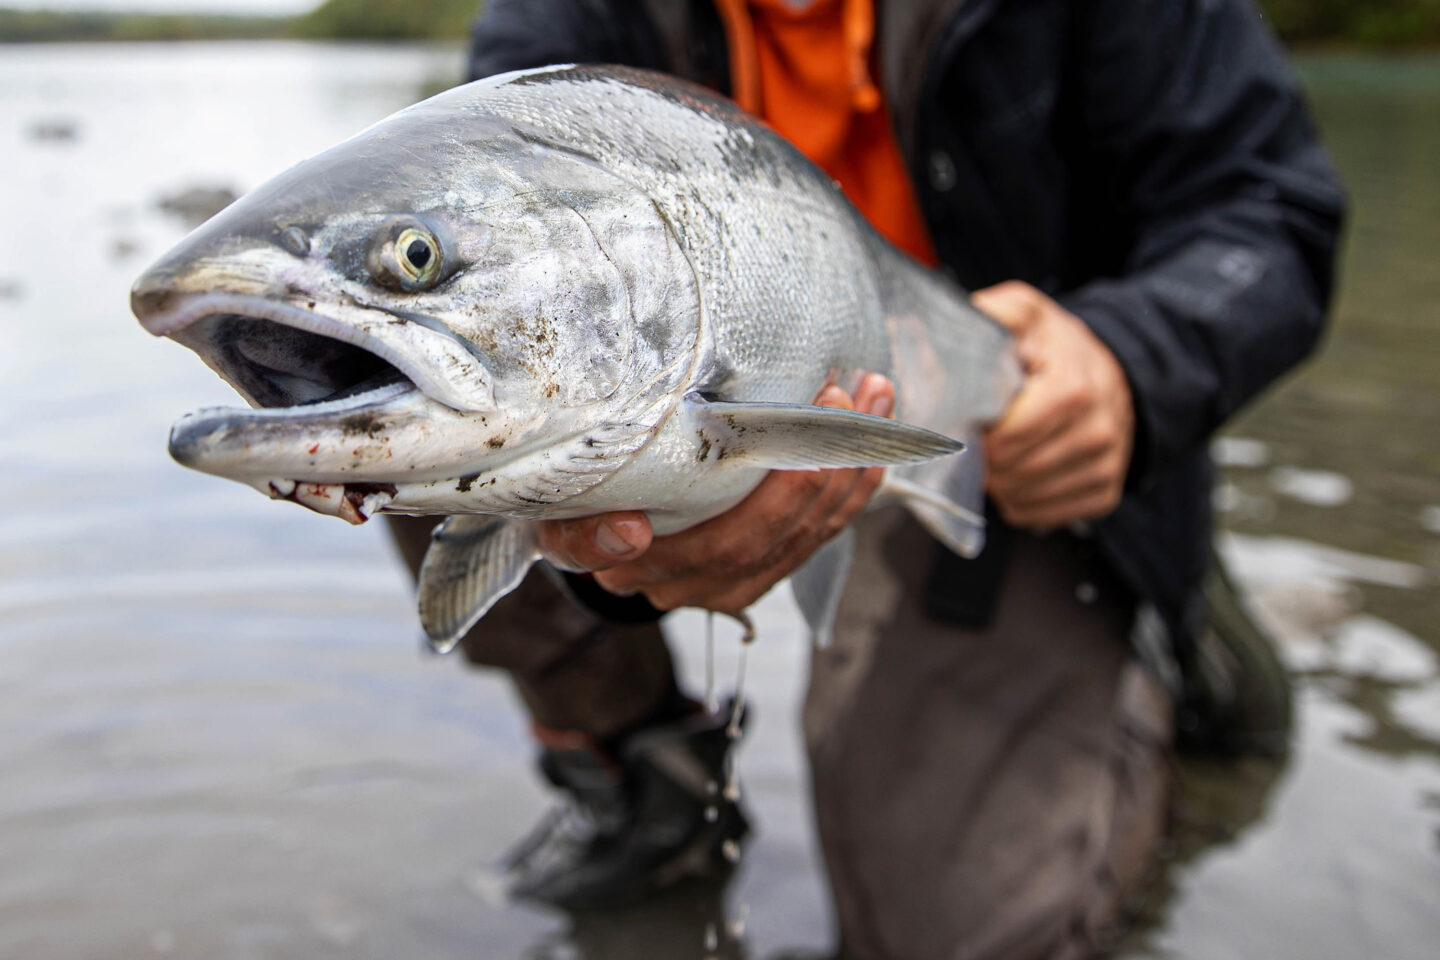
(562, 292)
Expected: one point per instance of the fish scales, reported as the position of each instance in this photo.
(563, 292)
(775, 245)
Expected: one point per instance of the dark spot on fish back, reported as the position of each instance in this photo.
(495, 443)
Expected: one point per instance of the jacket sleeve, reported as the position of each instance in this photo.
(1233, 204)
(520, 34)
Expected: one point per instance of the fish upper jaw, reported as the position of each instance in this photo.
(435, 360)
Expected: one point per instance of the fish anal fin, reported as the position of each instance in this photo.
(819, 584)
(947, 498)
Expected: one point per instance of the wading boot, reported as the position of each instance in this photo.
(1237, 698)
(637, 817)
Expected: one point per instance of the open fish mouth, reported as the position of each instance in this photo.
(274, 365)
(328, 399)
(279, 354)
(290, 374)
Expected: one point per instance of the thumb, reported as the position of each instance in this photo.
(875, 395)
(594, 543)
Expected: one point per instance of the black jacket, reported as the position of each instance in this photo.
(1150, 163)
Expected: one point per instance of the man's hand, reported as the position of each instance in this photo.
(730, 561)
(1062, 451)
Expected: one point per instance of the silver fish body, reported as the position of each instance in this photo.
(558, 293)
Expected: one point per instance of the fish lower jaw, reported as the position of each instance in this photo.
(356, 503)
(391, 433)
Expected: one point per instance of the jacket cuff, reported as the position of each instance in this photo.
(608, 606)
(1104, 320)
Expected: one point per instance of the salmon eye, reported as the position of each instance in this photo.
(406, 255)
(418, 256)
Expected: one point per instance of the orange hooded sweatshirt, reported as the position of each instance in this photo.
(805, 68)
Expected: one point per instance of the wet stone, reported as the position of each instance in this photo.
(194, 205)
(1239, 452)
(1367, 646)
(1318, 488)
(1419, 710)
(1430, 519)
(55, 130)
(124, 248)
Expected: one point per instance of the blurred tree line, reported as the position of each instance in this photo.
(387, 20)
(38, 26)
(1299, 22)
(1366, 22)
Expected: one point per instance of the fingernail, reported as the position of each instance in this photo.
(882, 405)
(619, 537)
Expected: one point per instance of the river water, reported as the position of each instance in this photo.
(218, 737)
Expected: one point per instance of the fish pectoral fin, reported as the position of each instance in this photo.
(794, 436)
(947, 498)
(818, 584)
(472, 562)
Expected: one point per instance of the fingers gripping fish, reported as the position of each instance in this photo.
(565, 292)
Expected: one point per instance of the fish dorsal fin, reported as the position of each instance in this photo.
(818, 585)
(472, 562)
(795, 436)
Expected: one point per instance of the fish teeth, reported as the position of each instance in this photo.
(332, 499)
(373, 504)
(326, 498)
(279, 489)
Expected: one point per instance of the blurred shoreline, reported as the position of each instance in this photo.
(369, 20)
(1304, 25)
(57, 26)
